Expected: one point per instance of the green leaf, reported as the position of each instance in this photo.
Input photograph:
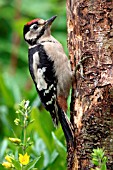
(43, 128)
(16, 164)
(6, 92)
(3, 147)
(60, 147)
(53, 156)
(99, 159)
(1, 167)
(104, 160)
(13, 87)
(103, 167)
(32, 164)
(95, 162)
(40, 162)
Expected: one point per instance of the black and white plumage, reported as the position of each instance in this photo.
(50, 71)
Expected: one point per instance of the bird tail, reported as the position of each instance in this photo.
(66, 126)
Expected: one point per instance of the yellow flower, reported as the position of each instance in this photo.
(24, 159)
(15, 140)
(8, 158)
(7, 164)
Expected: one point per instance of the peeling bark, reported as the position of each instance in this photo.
(90, 33)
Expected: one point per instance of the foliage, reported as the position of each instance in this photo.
(23, 161)
(98, 159)
(16, 84)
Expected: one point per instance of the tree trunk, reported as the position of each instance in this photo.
(90, 33)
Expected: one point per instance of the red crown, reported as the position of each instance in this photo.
(30, 22)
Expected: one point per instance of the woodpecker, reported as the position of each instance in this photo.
(50, 70)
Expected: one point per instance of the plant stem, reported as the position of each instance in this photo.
(24, 134)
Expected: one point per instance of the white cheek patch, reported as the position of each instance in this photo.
(41, 83)
(39, 30)
(30, 35)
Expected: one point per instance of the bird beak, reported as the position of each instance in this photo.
(50, 21)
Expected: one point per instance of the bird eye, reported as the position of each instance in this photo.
(34, 27)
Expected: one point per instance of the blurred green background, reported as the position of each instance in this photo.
(16, 83)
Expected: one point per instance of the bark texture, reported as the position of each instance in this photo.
(90, 33)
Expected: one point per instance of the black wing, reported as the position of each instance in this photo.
(47, 94)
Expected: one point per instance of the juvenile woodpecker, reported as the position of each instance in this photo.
(50, 70)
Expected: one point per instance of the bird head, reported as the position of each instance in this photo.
(37, 28)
